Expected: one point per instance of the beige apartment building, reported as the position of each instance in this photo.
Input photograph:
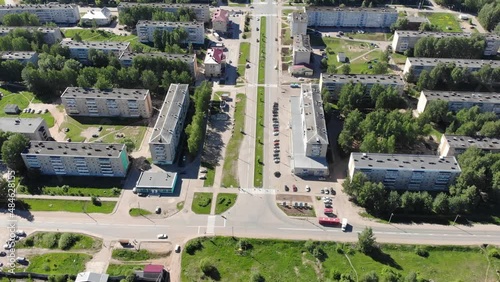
(195, 30)
(201, 11)
(334, 82)
(46, 13)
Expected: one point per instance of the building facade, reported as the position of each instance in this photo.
(406, 172)
(454, 145)
(298, 23)
(117, 102)
(127, 59)
(169, 125)
(195, 30)
(214, 62)
(80, 50)
(406, 39)
(201, 11)
(31, 128)
(309, 135)
(416, 65)
(486, 101)
(301, 49)
(77, 159)
(101, 16)
(351, 17)
(220, 20)
(51, 35)
(46, 13)
(22, 56)
(334, 82)
(156, 183)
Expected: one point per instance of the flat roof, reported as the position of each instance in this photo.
(160, 179)
(299, 16)
(43, 29)
(20, 125)
(412, 33)
(170, 113)
(349, 9)
(168, 24)
(164, 5)
(462, 141)
(220, 15)
(115, 93)
(363, 78)
(469, 63)
(37, 6)
(74, 149)
(462, 96)
(183, 57)
(314, 116)
(302, 42)
(404, 162)
(417, 19)
(17, 55)
(98, 45)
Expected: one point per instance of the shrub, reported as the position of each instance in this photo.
(49, 240)
(335, 274)
(421, 252)
(29, 242)
(115, 191)
(65, 188)
(207, 267)
(244, 36)
(244, 244)
(370, 277)
(493, 252)
(66, 241)
(204, 201)
(193, 246)
(340, 250)
(257, 277)
(95, 201)
(221, 200)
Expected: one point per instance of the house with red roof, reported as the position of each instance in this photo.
(214, 62)
(220, 20)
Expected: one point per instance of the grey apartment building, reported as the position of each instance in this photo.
(116, 102)
(301, 49)
(454, 145)
(51, 35)
(80, 50)
(168, 128)
(406, 172)
(309, 136)
(31, 128)
(195, 30)
(298, 23)
(334, 82)
(201, 11)
(23, 57)
(486, 101)
(351, 17)
(406, 39)
(417, 65)
(46, 13)
(127, 59)
(77, 159)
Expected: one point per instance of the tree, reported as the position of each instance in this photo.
(380, 68)
(77, 37)
(12, 149)
(149, 80)
(345, 69)
(332, 69)
(23, 19)
(370, 277)
(366, 241)
(257, 277)
(129, 144)
(440, 204)
(4, 192)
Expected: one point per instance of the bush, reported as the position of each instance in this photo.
(340, 250)
(335, 274)
(244, 36)
(193, 246)
(49, 240)
(257, 277)
(204, 201)
(421, 252)
(207, 267)
(66, 241)
(370, 277)
(244, 244)
(494, 253)
(65, 188)
(115, 191)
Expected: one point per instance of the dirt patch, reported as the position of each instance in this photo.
(316, 265)
(293, 198)
(297, 211)
(357, 48)
(87, 133)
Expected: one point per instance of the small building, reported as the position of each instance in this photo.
(91, 277)
(156, 183)
(220, 20)
(463, 17)
(214, 62)
(11, 109)
(454, 145)
(301, 70)
(414, 23)
(101, 16)
(341, 58)
(31, 128)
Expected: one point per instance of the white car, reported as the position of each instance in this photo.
(162, 236)
(203, 177)
(276, 133)
(308, 189)
(177, 248)
(20, 233)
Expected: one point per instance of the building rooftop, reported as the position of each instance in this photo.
(302, 43)
(115, 93)
(38, 6)
(313, 114)
(76, 149)
(183, 57)
(363, 78)
(20, 125)
(469, 63)
(168, 24)
(91, 276)
(17, 55)
(169, 113)
(6, 29)
(163, 5)
(215, 55)
(220, 15)
(349, 9)
(109, 45)
(417, 19)
(404, 162)
(412, 33)
(463, 96)
(461, 141)
(160, 179)
(299, 17)
(97, 13)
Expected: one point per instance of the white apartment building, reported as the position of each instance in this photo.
(46, 13)
(117, 102)
(101, 16)
(77, 159)
(301, 49)
(80, 50)
(127, 59)
(351, 17)
(406, 39)
(486, 101)
(32, 128)
(215, 61)
(417, 65)
(309, 136)
(21, 56)
(195, 30)
(298, 23)
(201, 11)
(220, 20)
(406, 172)
(454, 145)
(169, 125)
(51, 35)
(334, 82)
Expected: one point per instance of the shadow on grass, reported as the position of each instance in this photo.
(379, 256)
(21, 209)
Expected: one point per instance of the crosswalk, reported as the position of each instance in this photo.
(211, 225)
(257, 191)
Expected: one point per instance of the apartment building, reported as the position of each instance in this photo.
(298, 23)
(21, 56)
(51, 35)
(301, 49)
(77, 159)
(201, 11)
(46, 13)
(406, 172)
(406, 39)
(101, 16)
(195, 30)
(454, 145)
(486, 101)
(117, 102)
(127, 59)
(220, 20)
(215, 62)
(80, 50)
(417, 65)
(169, 125)
(351, 17)
(32, 128)
(334, 82)
(309, 136)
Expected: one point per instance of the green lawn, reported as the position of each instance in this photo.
(446, 22)
(67, 206)
(278, 260)
(351, 49)
(133, 255)
(122, 269)
(22, 100)
(138, 212)
(262, 51)
(286, 35)
(75, 191)
(58, 263)
(101, 35)
(376, 36)
(2, 2)
(399, 59)
(244, 54)
(209, 182)
(225, 201)
(259, 139)
(50, 240)
(202, 203)
(230, 169)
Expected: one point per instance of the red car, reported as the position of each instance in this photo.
(294, 188)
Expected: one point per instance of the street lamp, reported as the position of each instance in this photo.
(392, 214)
(456, 217)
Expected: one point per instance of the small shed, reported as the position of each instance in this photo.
(463, 17)
(341, 58)
(11, 109)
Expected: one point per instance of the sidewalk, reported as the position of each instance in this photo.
(76, 198)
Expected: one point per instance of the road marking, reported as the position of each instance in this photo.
(211, 224)
(300, 229)
(258, 191)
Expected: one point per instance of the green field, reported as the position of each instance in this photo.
(259, 139)
(375, 36)
(278, 260)
(262, 52)
(138, 212)
(101, 35)
(133, 255)
(67, 206)
(22, 100)
(230, 168)
(446, 22)
(225, 201)
(244, 54)
(58, 263)
(209, 182)
(202, 203)
(399, 59)
(50, 240)
(122, 269)
(75, 191)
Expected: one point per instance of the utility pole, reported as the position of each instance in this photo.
(456, 217)
(390, 218)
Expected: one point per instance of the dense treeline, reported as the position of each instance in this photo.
(356, 3)
(195, 129)
(489, 15)
(403, 24)
(450, 47)
(168, 40)
(354, 96)
(130, 16)
(21, 39)
(22, 19)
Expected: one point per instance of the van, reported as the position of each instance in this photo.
(344, 224)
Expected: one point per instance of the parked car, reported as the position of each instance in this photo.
(204, 170)
(308, 189)
(332, 191)
(39, 111)
(286, 188)
(21, 259)
(2, 254)
(276, 133)
(322, 191)
(162, 236)
(177, 248)
(277, 161)
(46, 111)
(327, 192)
(158, 210)
(294, 188)
(203, 176)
